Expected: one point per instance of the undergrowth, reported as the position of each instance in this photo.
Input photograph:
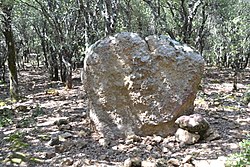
(241, 159)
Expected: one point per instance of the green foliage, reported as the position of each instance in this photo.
(19, 157)
(2, 82)
(44, 137)
(241, 159)
(229, 32)
(6, 117)
(17, 141)
(52, 92)
(26, 122)
(246, 96)
(2, 103)
(38, 111)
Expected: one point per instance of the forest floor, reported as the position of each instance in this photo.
(50, 126)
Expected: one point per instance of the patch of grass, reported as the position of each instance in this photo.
(44, 137)
(6, 117)
(19, 157)
(2, 103)
(233, 108)
(36, 160)
(26, 122)
(12, 101)
(38, 111)
(17, 141)
(246, 97)
(2, 83)
(241, 159)
(52, 92)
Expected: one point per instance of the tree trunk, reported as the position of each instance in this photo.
(110, 10)
(155, 12)
(53, 65)
(11, 52)
(2, 65)
(66, 58)
(62, 68)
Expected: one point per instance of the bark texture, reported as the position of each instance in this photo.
(11, 51)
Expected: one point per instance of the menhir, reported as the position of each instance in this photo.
(138, 86)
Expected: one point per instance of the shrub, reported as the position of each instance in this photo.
(241, 159)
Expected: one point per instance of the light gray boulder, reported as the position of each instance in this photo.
(185, 137)
(140, 86)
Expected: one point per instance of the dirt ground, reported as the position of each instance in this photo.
(50, 126)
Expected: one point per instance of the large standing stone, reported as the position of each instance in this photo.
(138, 86)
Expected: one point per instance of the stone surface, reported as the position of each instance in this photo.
(196, 124)
(173, 161)
(60, 148)
(133, 138)
(157, 139)
(49, 155)
(186, 137)
(193, 123)
(66, 135)
(149, 164)
(187, 165)
(133, 162)
(54, 140)
(138, 86)
(81, 144)
(187, 159)
(211, 134)
(209, 163)
(62, 121)
(67, 162)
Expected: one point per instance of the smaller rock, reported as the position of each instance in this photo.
(128, 142)
(54, 141)
(22, 108)
(84, 133)
(185, 137)
(133, 162)
(193, 123)
(59, 148)
(132, 138)
(62, 121)
(121, 147)
(211, 135)
(187, 165)
(174, 162)
(67, 162)
(64, 147)
(187, 159)
(65, 127)
(104, 142)
(84, 115)
(157, 139)
(149, 147)
(81, 144)
(115, 147)
(149, 164)
(50, 155)
(161, 163)
(66, 135)
(171, 145)
(122, 141)
(165, 150)
(209, 163)
(103, 157)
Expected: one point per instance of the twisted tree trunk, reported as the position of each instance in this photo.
(11, 52)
